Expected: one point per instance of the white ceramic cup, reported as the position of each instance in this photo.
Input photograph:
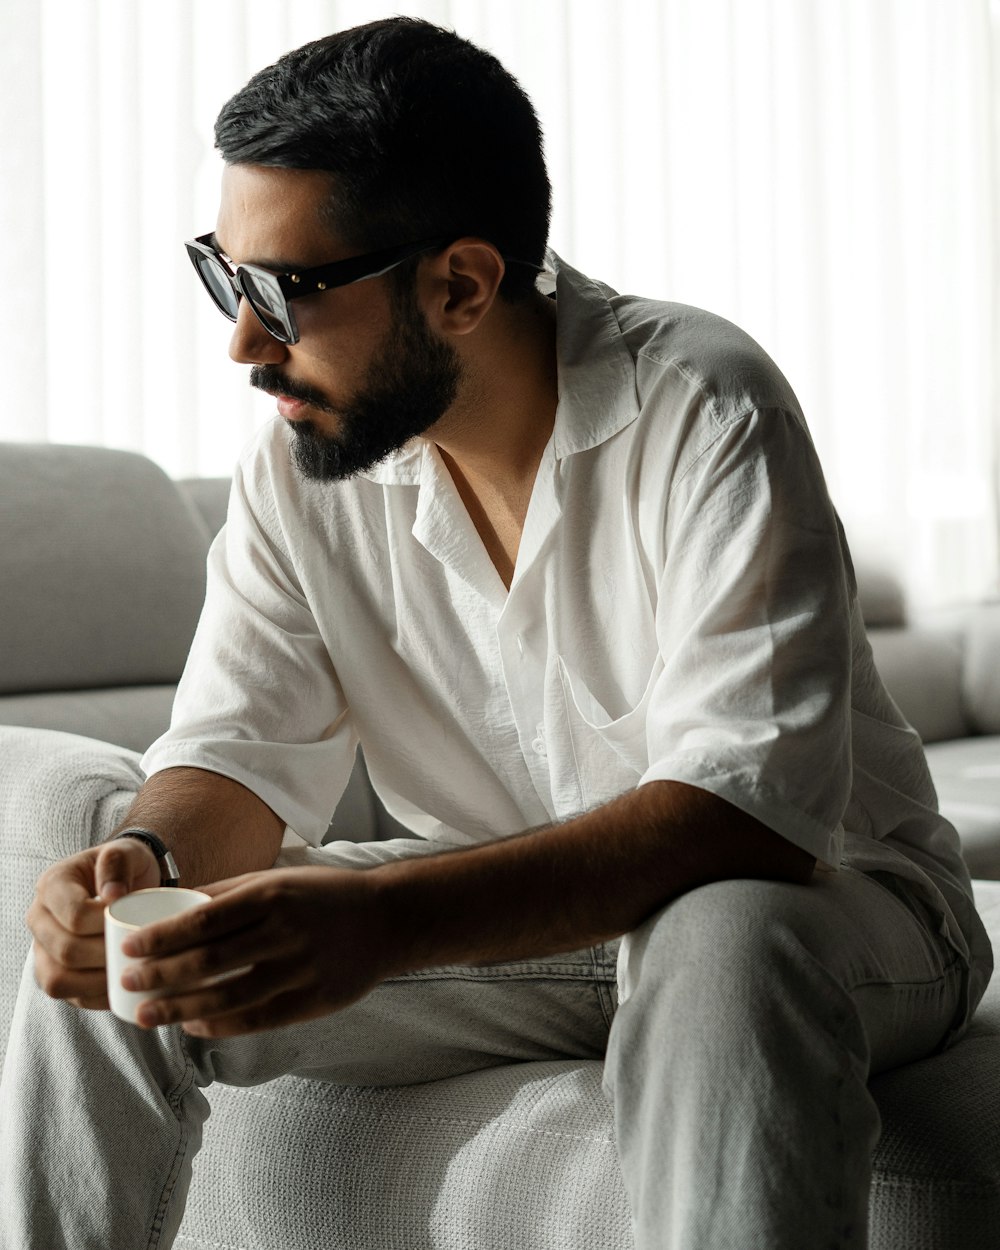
(124, 916)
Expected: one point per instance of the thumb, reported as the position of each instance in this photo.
(124, 865)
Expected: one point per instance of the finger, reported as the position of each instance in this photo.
(68, 983)
(199, 964)
(72, 950)
(67, 891)
(223, 916)
(283, 1008)
(271, 1013)
(91, 1004)
(124, 865)
(238, 993)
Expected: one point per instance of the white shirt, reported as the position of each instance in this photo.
(682, 608)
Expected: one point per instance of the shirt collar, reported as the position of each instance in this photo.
(597, 386)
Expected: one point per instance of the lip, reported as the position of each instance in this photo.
(288, 407)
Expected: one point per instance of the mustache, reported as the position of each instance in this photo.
(269, 378)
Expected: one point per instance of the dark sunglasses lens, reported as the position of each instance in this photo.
(219, 286)
(268, 303)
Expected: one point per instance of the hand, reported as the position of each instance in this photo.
(302, 942)
(66, 916)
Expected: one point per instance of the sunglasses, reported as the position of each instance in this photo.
(269, 294)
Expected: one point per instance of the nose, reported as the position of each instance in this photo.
(251, 344)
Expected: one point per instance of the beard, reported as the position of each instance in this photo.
(410, 383)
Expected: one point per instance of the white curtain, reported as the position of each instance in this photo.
(822, 172)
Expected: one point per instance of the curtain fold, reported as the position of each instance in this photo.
(825, 173)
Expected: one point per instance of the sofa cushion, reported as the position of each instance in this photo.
(967, 777)
(936, 1168)
(102, 566)
(127, 716)
(520, 1155)
(524, 1155)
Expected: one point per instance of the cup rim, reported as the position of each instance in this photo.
(152, 889)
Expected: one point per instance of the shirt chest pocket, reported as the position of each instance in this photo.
(609, 753)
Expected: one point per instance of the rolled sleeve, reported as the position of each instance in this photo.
(259, 700)
(754, 627)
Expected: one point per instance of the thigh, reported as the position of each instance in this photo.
(868, 940)
(906, 981)
(434, 1023)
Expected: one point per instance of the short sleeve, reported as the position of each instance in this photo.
(754, 626)
(259, 700)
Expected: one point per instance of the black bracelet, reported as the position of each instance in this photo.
(169, 875)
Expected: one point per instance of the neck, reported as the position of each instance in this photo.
(492, 439)
(496, 431)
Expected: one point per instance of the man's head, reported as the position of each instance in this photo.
(426, 136)
(375, 138)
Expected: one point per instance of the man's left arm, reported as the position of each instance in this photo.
(572, 885)
(554, 889)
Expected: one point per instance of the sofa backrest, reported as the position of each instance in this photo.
(922, 670)
(922, 667)
(210, 498)
(102, 569)
(982, 669)
(880, 596)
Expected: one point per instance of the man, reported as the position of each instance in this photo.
(563, 562)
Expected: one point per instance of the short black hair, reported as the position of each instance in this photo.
(425, 134)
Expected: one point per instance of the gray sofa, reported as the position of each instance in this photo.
(102, 570)
(943, 670)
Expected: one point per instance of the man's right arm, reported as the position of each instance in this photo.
(215, 827)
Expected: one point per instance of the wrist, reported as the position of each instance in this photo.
(169, 873)
(395, 903)
(455, 907)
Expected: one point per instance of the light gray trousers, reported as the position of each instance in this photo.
(737, 1068)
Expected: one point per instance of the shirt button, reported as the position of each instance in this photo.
(538, 745)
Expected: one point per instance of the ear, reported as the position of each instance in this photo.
(460, 285)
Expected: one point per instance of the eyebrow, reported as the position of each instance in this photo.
(275, 263)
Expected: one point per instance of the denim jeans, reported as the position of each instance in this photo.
(737, 1066)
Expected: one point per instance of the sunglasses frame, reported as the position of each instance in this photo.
(284, 287)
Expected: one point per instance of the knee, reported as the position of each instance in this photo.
(733, 977)
(59, 792)
(735, 944)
